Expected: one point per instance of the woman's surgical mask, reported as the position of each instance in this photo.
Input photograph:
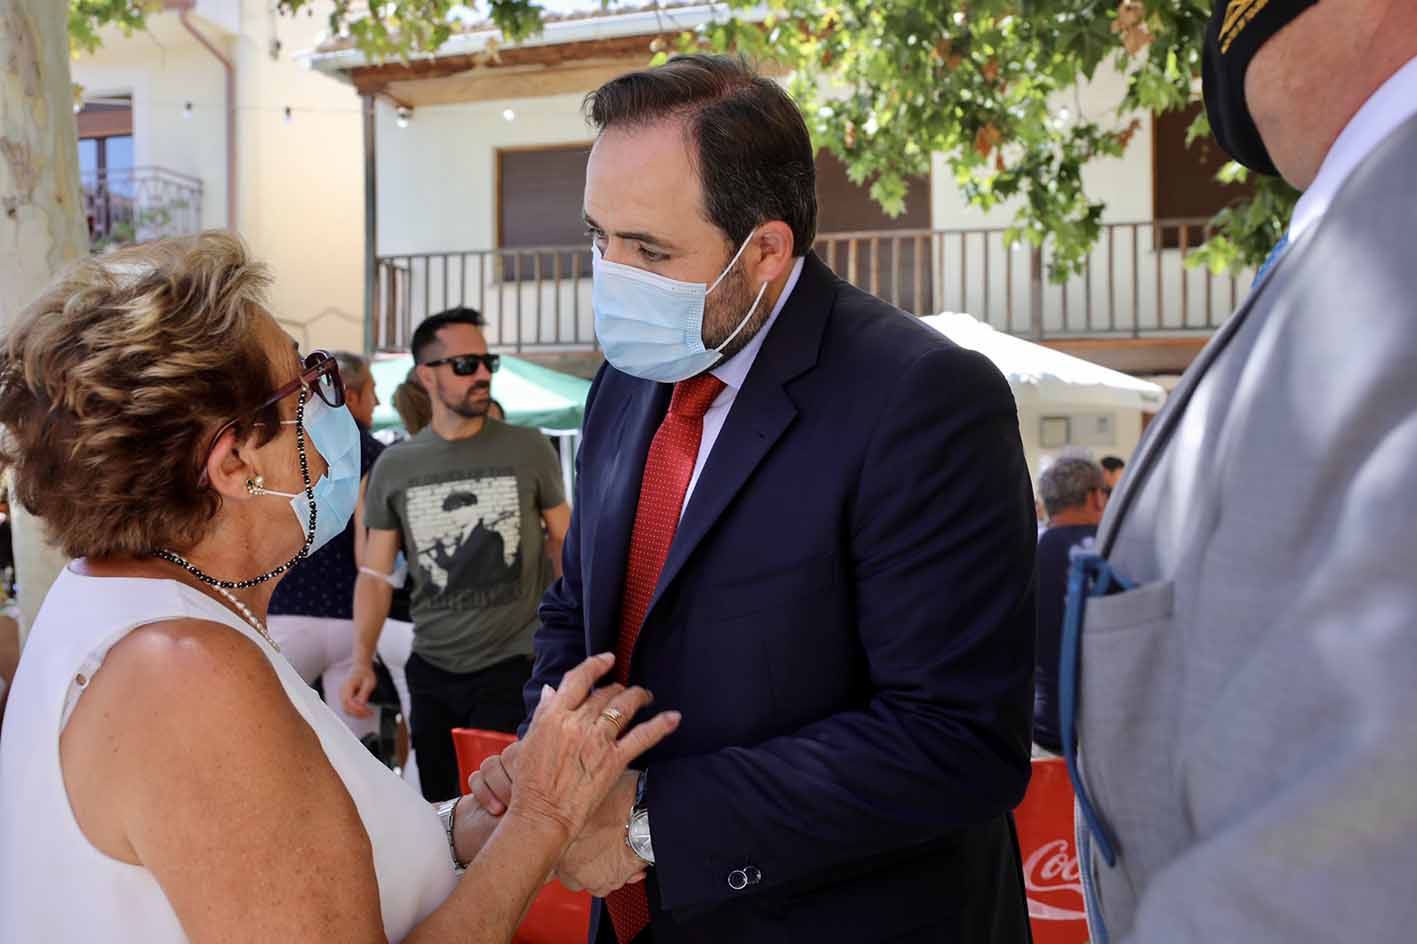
(336, 437)
(652, 327)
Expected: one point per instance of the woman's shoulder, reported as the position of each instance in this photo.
(196, 677)
(186, 742)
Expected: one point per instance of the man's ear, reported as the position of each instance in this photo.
(771, 252)
(425, 377)
(228, 467)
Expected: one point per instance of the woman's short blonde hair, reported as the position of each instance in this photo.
(113, 382)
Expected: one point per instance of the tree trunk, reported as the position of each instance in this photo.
(42, 223)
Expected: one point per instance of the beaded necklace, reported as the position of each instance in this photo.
(224, 587)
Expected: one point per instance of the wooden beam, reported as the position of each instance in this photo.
(372, 79)
(521, 82)
(1135, 355)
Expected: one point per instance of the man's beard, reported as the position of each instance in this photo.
(726, 307)
(467, 407)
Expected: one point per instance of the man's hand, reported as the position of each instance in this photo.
(357, 689)
(491, 784)
(598, 860)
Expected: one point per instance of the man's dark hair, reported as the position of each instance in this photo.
(426, 334)
(754, 155)
(1113, 464)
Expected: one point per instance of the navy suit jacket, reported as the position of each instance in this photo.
(846, 620)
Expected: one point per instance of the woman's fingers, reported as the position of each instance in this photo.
(645, 735)
(577, 683)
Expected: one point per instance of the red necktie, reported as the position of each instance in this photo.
(668, 468)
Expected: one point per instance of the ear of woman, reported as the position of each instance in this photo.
(228, 467)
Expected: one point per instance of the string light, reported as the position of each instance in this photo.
(187, 110)
(405, 115)
(289, 115)
(509, 115)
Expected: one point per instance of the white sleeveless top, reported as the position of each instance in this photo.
(55, 886)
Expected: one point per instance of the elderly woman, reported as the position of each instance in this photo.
(166, 774)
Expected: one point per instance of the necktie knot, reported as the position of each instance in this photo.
(694, 396)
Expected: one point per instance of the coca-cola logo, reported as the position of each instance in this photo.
(1054, 883)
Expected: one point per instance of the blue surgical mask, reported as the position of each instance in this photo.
(652, 327)
(333, 432)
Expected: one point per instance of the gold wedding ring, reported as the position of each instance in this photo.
(614, 715)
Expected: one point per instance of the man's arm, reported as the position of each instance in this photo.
(560, 640)
(1297, 780)
(372, 597)
(558, 522)
(943, 543)
(361, 534)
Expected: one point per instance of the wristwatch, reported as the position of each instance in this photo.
(637, 830)
(446, 812)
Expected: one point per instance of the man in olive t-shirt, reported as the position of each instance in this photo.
(466, 500)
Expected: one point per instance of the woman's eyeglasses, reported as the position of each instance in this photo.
(465, 365)
(321, 374)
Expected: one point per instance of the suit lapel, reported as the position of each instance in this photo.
(761, 413)
(1159, 434)
(644, 411)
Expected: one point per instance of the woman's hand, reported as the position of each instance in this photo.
(576, 748)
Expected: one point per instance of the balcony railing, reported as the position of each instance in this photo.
(1136, 284)
(136, 204)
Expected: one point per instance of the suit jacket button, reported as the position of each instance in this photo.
(738, 880)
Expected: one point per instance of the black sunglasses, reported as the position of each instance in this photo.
(465, 365)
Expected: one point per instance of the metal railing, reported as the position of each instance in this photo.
(1135, 284)
(136, 204)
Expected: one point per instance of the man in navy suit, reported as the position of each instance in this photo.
(803, 519)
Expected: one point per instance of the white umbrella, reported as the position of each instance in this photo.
(1044, 376)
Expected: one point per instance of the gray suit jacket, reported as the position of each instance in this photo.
(1248, 713)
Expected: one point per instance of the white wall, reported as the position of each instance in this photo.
(438, 176)
(438, 193)
(163, 70)
(300, 182)
(1126, 423)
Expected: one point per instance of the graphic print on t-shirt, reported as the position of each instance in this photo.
(468, 536)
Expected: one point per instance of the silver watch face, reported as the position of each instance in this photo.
(637, 836)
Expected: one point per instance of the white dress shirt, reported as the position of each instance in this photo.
(1390, 106)
(733, 372)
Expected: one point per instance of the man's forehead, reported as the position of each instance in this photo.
(643, 179)
(462, 339)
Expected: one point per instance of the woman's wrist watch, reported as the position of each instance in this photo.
(446, 812)
(637, 829)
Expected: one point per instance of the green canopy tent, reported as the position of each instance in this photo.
(531, 394)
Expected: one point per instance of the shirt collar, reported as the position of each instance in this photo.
(1392, 104)
(734, 371)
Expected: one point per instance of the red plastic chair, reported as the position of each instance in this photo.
(1051, 876)
(557, 915)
